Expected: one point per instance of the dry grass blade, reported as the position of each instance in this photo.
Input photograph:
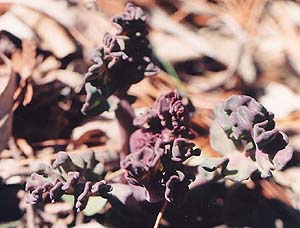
(160, 215)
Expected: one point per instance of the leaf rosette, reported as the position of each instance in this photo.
(244, 132)
(124, 59)
(159, 148)
(75, 174)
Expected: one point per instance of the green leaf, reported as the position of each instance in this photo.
(208, 163)
(219, 140)
(96, 103)
(68, 198)
(12, 224)
(94, 205)
(223, 118)
(239, 167)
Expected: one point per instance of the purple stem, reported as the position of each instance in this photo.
(125, 114)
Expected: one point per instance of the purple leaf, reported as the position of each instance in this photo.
(74, 173)
(159, 148)
(245, 133)
(124, 59)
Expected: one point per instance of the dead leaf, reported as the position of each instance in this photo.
(108, 128)
(7, 89)
(280, 100)
(25, 147)
(70, 78)
(23, 62)
(170, 51)
(52, 35)
(13, 25)
(288, 26)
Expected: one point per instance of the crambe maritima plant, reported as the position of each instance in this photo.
(157, 153)
(244, 132)
(159, 147)
(75, 174)
(124, 59)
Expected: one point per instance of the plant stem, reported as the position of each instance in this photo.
(160, 215)
(30, 216)
(125, 115)
(79, 218)
(115, 174)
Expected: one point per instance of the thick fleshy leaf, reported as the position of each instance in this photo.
(263, 163)
(159, 148)
(124, 59)
(95, 102)
(94, 205)
(223, 119)
(219, 140)
(252, 143)
(282, 158)
(78, 174)
(207, 163)
(239, 167)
